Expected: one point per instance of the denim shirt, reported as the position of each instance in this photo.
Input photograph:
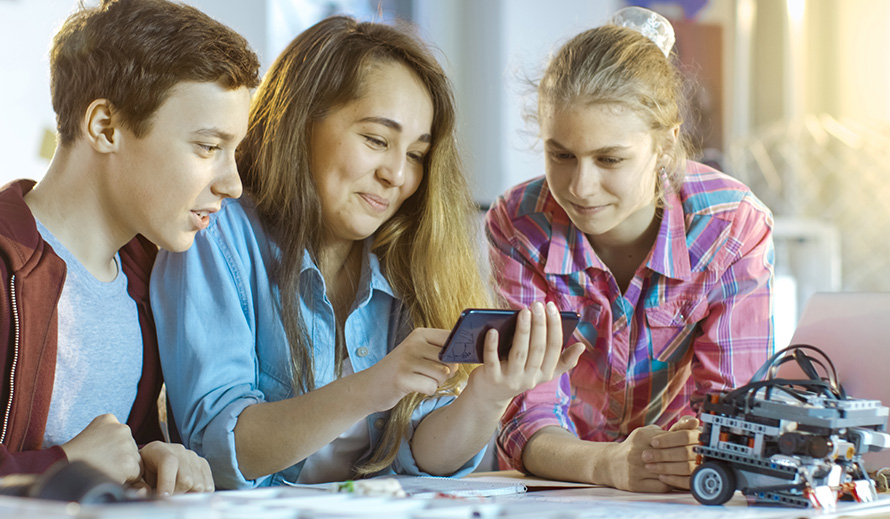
(223, 345)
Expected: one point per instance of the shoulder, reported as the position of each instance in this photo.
(723, 218)
(527, 198)
(233, 241)
(528, 208)
(19, 237)
(707, 192)
(236, 226)
(234, 214)
(22, 249)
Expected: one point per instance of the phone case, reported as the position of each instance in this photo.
(467, 339)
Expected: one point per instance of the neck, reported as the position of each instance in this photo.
(639, 230)
(341, 266)
(81, 221)
(624, 254)
(333, 258)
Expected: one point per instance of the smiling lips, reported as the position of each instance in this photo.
(588, 209)
(377, 203)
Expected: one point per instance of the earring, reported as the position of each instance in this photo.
(660, 194)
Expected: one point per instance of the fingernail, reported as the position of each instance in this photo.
(551, 307)
(655, 443)
(538, 308)
(647, 456)
(524, 316)
(650, 466)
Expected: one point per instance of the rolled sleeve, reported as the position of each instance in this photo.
(405, 462)
(219, 439)
(544, 406)
(520, 284)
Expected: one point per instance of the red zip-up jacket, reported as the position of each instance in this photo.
(31, 280)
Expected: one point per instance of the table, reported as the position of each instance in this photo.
(544, 500)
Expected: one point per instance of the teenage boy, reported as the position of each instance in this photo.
(151, 99)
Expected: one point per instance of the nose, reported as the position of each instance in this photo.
(585, 179)
(392, 169)
(228, 182)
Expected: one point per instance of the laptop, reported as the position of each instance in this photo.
(853, 329)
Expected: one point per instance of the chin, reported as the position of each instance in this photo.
(594, 230)
(181, 245)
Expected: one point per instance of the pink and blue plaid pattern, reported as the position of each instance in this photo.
(696, 317)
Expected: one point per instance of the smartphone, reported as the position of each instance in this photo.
(467, 339)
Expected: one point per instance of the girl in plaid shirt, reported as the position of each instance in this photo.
(669, 263)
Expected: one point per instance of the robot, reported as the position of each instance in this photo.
(787, 441)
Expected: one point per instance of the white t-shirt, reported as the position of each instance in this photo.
(99, 359)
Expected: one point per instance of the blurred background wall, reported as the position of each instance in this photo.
(790, 96)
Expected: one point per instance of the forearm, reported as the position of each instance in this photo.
(555, 453)
(451, 435)
(272, 436)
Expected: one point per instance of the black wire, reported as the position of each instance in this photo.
(766, 377)
(796, 353)
(744, 396)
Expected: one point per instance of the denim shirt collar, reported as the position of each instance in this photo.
(371, 278)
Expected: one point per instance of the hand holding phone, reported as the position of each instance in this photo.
(466, 342)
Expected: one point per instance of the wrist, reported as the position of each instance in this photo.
(556, 453)
(603, 463)
(483, 400)
(372, 399)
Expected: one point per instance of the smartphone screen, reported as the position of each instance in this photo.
(467, 339)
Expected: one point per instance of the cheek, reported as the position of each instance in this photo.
(647, 185)
(327, 196)
(643, 190)
(411, 186)
(559, 181)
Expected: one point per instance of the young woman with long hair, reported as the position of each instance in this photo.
(300, 335)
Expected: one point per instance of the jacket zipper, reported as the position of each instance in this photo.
(15, 358)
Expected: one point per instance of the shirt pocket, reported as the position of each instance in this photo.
(672, 326)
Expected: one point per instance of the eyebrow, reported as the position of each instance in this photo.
(215, 132)
(389, 123)
(603, 150)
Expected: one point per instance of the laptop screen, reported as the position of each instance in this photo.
(853, 329)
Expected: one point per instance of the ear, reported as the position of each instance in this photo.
(101, 127)
(671, 137)
(669, 143)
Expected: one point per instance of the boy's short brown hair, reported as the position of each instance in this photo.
(133, 52)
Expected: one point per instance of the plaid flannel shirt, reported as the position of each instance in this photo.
(696, 317)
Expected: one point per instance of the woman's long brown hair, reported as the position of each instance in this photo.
(427, 250)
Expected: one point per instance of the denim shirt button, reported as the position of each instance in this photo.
(379, 423)
(362, 352)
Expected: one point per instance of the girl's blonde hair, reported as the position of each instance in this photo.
(427, 249)
(617, 65)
